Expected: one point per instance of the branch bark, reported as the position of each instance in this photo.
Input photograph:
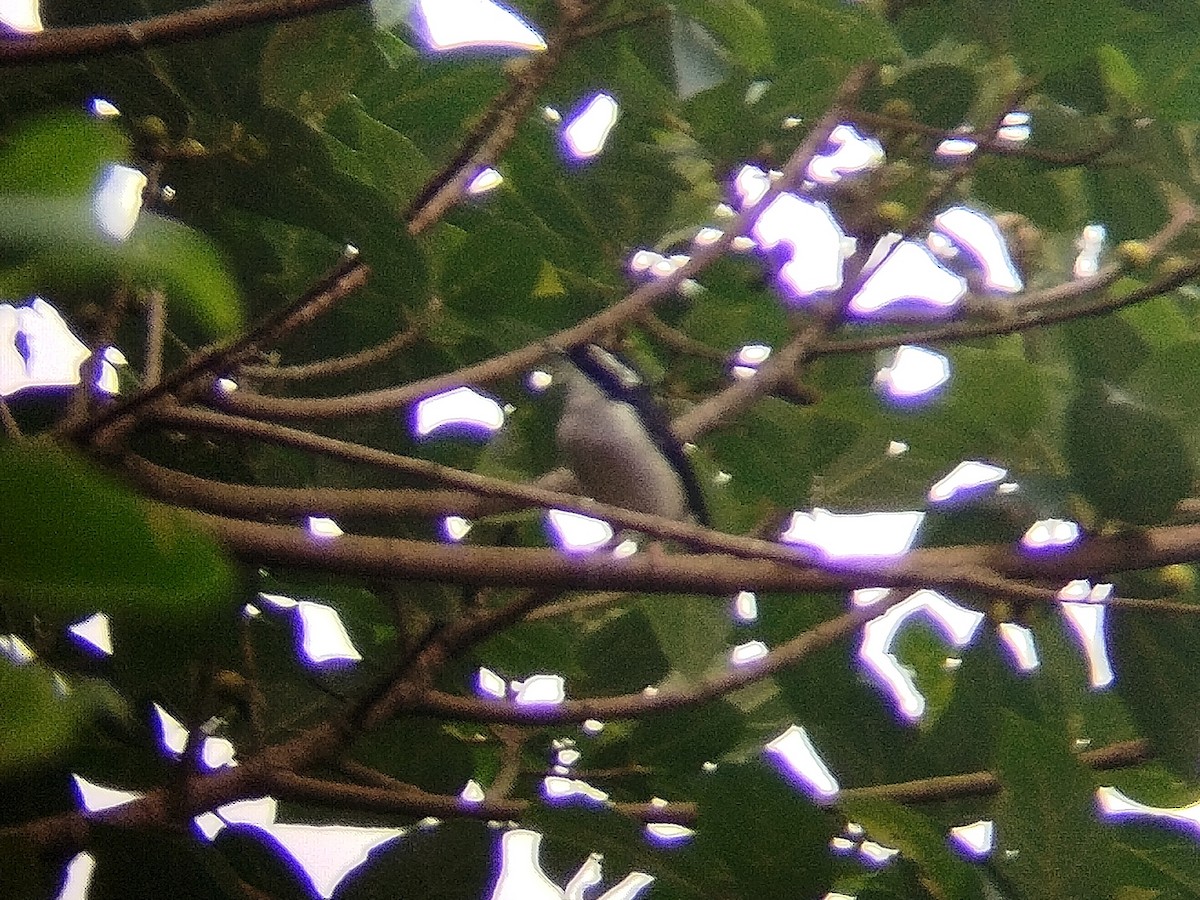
(203, 21)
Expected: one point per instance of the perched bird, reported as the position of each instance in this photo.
(618, 441)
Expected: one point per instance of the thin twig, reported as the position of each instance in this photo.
(990, 144)
(1036, 318)
(499, 127)
(981, 784)
(290, 786)
(644, 703)
(349, 275)
(97, 40)
(156, 323)
(339, 365)
(512, 742)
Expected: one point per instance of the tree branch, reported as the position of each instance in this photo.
(290, 786)
(625, 310)
(629, 706)
(252, 501)
(990, 144)
(345, 278)
(496, 131)
(979, 784)
(966, 568)
(97, 40)
(1035, 318)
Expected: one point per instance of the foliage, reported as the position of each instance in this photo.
(285, 138)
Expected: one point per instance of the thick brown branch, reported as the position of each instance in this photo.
(970, 568)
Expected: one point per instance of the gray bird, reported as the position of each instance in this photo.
(618, 441)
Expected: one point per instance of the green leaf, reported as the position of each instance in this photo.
(1125, 459)
(1051, 34)
(1120, 77)
(738, 26)
(1024, 187)
(1106, 347)
(59, 154)
(572, 834)
(1046, 812)
(1128, 200)
(69, 253)
(76, 542)
(37, 723)
(921, 840)
(851, 723)
(388, 160)
(418, 752)
(193, 274)
(941, 94)
(1158, 679)
(492, 274)
(816, 32)
(772, 841)
(622, 656)
(141, 863)
(309, 65)
(987, 688)
(682, 741)
(693, 632)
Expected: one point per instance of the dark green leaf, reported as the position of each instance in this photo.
(622, 656)
(1047, 813)
(738, 26)
(1052, 34)
(1158, 682)
(773, 842)
(60, 154)
(683, 741)
(1128, 200)
(141, 865)
(921, 840)
(1105, 347)
(1125, 459)
(1018, 186)
(941, 94)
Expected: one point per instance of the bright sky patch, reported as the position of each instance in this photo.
(461, 407)
(878, 535)
(476, 25)
(587, 132)
(957, 624)
(795, 750)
